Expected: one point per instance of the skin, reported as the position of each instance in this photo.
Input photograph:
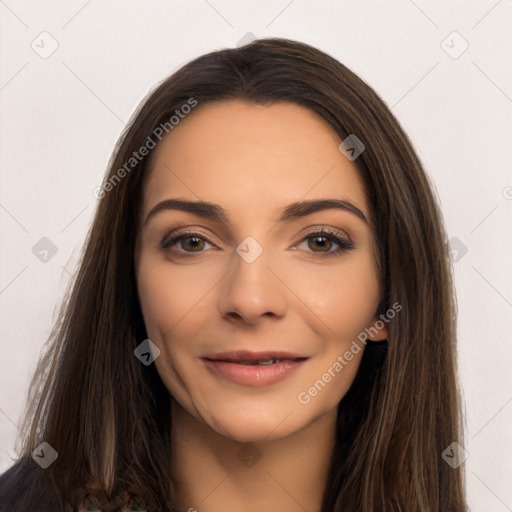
(253, 160)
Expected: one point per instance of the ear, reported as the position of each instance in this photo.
(378, 330)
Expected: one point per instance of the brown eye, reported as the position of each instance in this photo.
(184, 243)
(327, 243)
(193, 243)
(321, 242)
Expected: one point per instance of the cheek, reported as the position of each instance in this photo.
(167, 300)
(164, 298)
(344, 296)
(358, 292)
(175, 300)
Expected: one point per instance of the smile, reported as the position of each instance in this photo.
(254, 373)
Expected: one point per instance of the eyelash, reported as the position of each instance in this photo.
(343, 245)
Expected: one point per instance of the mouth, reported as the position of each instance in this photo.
(253, 369)
(248, 358)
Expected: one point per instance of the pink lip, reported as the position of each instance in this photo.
(248, 375)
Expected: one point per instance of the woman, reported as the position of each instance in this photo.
(264, 313)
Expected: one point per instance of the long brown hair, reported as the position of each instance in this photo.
(108, 416)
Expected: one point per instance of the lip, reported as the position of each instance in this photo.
(228, 365)
(249, 356)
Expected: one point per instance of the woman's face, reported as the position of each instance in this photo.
(254, 276)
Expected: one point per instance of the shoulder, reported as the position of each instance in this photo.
(25, 486)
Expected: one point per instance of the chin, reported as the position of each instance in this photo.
(253, 427)
(250, 433)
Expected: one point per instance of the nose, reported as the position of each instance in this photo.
(251, 291)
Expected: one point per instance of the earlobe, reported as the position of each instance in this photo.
(378, 330)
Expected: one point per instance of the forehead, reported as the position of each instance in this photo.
(244, 156)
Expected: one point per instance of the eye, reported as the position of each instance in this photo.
(189, 241)
(326, 240)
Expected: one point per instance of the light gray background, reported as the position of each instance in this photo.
(61, 116)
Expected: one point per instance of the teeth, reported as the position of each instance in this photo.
(258, 363)
(270, 361)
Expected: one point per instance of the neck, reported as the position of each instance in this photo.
(212, 473)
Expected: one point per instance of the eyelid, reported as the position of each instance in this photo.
(336, 235)
(331, 230)
(183, 232)
(192, 230)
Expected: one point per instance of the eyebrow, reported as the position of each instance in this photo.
(294, 210)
